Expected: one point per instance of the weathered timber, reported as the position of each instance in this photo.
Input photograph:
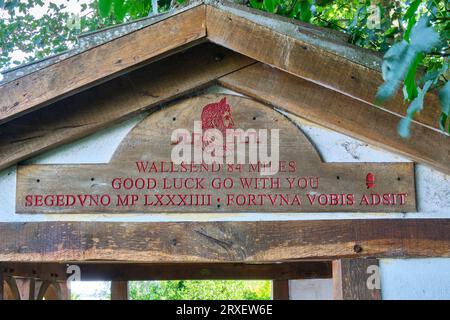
(351, 277)
(234, 29)
(108, 103)
(97, 271)
(100, 63)
(243, 241)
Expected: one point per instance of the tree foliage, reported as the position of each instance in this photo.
(200, 290)
(414, 35)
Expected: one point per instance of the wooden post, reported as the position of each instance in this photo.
(356, 279)
(280, 290)
(119, 290)
(1, 282)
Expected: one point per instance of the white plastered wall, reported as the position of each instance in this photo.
(432, 188)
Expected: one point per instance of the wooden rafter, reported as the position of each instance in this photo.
(108, 103)
(100, 63)
(234, 29)
(159, 271)
(301, 57)
(340, 112)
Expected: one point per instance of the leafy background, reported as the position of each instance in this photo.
(414, 35)
(177, 290)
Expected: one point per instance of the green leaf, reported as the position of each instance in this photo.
(410, 15)
(444, 98)
(104, 8)
(443, 121)
(411, 23)
(119, 9)
(412, 9)
(423, 37)
(403, 127)
(305, 11)
(270, 5)
(255, 4)
(395, 65)
(415, 106)
(410, 87)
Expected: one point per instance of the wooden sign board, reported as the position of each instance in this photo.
(141, 177)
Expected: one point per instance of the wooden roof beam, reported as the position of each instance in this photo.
(101, 63)
(237, 241)
(301, 50)
(96, 271)
(96, 108)
(340, 112)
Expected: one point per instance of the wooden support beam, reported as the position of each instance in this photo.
(351, 277)
(179, 271)
(237, 31)
(11, 292)
(119, 290)
(57, 290)
(280, 290)
(100, 63)
(1, 282)
(106, 104)
(243, 241)
(340, 112)
(43, 289)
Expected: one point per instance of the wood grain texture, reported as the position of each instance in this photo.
(1, 282)
(11, 291)
(350, 280)
(108, 103)
(234, 31)
(308, 186)
(243, 241)
(280, 290)
(100, 63)
(119, 290)
(341, 113)
(178, 271)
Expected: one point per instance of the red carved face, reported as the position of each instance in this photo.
(217, 116)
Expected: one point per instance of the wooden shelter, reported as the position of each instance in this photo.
(164, 68)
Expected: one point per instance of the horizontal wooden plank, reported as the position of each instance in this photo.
(109, 188)
(177, 271)
(113, 101)
(341, 113)
(100, 63)
(243, 241)
(232, 29)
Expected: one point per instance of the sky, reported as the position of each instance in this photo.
(90, 290)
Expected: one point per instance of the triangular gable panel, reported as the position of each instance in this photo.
(144, 177)
(316, 76)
